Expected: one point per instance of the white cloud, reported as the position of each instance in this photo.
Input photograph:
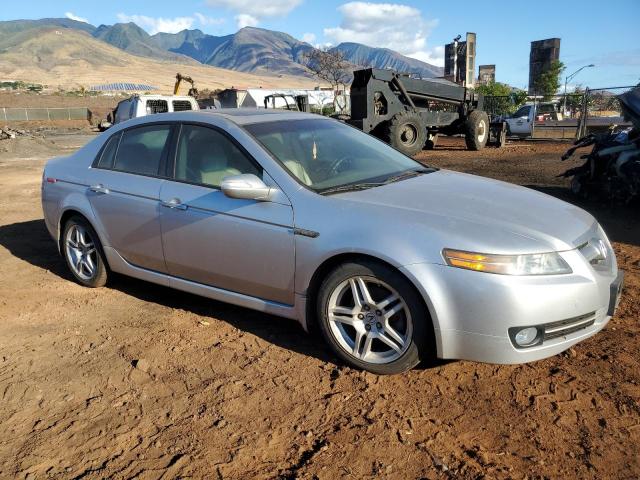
(246, 20)
(154, 25)
(205, 20)
(309, 37)
(434, 56)
(251, 12)
(388, 25)
(71, 16)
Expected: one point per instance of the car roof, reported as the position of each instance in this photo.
(243, 116)
(239, 116)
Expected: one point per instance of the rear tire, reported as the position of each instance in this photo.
(432, 141)
(373, 318)
(406, 133)
(476, 130)
(83, 253)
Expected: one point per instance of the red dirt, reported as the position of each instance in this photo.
(138, 381)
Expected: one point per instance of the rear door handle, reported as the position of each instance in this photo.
(174, 203)
(99, 189)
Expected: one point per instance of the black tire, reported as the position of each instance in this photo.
(502, 138)
(476, 130)
(579, 186)
(420, 346)
(99, 275)
(432, 141)
(406, 133)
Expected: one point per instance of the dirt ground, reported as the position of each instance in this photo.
(138, 381)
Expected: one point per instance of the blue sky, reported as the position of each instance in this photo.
(601, 32)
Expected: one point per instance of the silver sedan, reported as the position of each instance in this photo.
(307, 218)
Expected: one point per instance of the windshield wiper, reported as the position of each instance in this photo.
(350, 188)
(407, 174)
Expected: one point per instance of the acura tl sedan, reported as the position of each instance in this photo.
(305, 217)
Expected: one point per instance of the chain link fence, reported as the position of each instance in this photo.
(600, 110)
(29, 114)
(565, 116)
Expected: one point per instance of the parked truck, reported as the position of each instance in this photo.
(141, 105)
(410, 113)
(537, 119)
(521, 123)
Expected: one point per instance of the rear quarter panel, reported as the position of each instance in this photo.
(64, 184)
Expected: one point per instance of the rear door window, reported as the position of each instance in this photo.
(141, 149)
(109, 152)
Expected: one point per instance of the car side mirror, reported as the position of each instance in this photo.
(248, 187)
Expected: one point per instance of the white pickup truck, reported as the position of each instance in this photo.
(141, 105)
(520, 124)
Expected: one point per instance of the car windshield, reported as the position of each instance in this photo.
(328, 155)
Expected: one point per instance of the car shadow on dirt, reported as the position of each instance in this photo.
(30, 241)
(620, 222)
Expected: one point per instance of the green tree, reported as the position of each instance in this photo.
(548, 82)
(501, 99)
(573, 101)
(519, 98)
(494, 89)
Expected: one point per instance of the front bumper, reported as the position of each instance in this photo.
(472, 311)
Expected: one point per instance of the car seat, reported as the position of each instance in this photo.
(276, 146)
(208, 160)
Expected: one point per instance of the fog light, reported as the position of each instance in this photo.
(526, 336)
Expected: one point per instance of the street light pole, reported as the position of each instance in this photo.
(566, 79)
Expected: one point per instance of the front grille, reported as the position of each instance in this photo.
(570, 325)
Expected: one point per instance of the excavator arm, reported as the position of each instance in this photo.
(193, 91)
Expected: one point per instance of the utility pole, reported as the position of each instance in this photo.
(566, 79)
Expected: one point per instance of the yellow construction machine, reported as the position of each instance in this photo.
(193, 91)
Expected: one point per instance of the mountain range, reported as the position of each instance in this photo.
(252, 50)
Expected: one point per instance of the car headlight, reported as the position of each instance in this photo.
(530, 264)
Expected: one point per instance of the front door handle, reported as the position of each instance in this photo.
(99, 189)
(174, 203)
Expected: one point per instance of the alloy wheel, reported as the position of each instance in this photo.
(369, 320)
(81, 252)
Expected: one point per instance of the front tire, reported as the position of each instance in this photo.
(373, 318)
(406, 133)
(83, 253)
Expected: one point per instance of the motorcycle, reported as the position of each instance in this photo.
(612, 167)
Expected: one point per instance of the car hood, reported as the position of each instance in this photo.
(479, 214)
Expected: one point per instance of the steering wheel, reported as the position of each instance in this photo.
(334, 168)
